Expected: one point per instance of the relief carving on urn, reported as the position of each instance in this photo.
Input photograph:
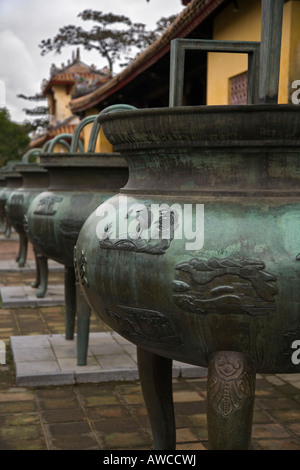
(80, 268)
(225, 286)
(229, 383)
(142, 229)
(46, 205)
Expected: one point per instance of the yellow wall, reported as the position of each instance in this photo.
(291, 29)
(102, 144)
(245, 25)
(62, 102)
(62, 111)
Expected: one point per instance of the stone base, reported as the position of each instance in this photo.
(25, 296)
(43, 360)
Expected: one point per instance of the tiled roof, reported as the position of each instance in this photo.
(192, 15)
(67, 126)
(67, 75)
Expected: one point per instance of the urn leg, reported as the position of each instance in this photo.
(70, 301)
(37, 281)
(156, 380)
(230, 400)
(19, 250)
(83, 326)
(23, 245)
(42, 275)
(7, 232)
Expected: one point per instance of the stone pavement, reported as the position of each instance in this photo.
(110, 414)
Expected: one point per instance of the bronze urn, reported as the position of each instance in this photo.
(196, 259)
(79, 182)
(13, 180)
(34, 180)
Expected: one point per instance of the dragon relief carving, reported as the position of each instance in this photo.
(150, 326)
(157, 244)
(224, 286)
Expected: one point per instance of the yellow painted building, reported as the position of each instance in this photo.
(243, 22)
(63, 83)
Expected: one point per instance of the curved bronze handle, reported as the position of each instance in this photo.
(97, 123)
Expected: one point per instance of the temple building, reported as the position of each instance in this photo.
(67, 82)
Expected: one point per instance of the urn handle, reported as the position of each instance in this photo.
(97, 123)
(75, 139)
(35, 152)
(58, 139)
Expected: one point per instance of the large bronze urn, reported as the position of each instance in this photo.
(2, 217)
(3, 221)
(13, 181)
(197, 258)
(79, 182)
(34, 180)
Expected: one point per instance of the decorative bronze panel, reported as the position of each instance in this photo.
(229, 383)
(225, 286)
(147, 325)
(46, 205)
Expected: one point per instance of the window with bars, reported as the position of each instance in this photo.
(238, 88)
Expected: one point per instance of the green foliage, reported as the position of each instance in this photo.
(113, 36)
(39, 123)
(36, 97)
(36, 125)
(14, 139)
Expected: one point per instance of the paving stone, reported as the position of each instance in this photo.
(74, 442)
(17, 407)
(70, 363)
(11, 266)
(25, 296)
(116, 361)
(106, 376)
(29, 444)
(271, 430)
(33, 354)
(45, 380)
(37, 341)
(36, 368)
(108, 347)
(125, 440)
(62, 415)
(69, 429)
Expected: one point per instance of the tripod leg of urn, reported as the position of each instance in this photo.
(230, 400)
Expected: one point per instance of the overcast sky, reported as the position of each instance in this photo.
(24, 23)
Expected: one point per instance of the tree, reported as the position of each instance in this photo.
(39, 123)
(14, 139)
(113, 36)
